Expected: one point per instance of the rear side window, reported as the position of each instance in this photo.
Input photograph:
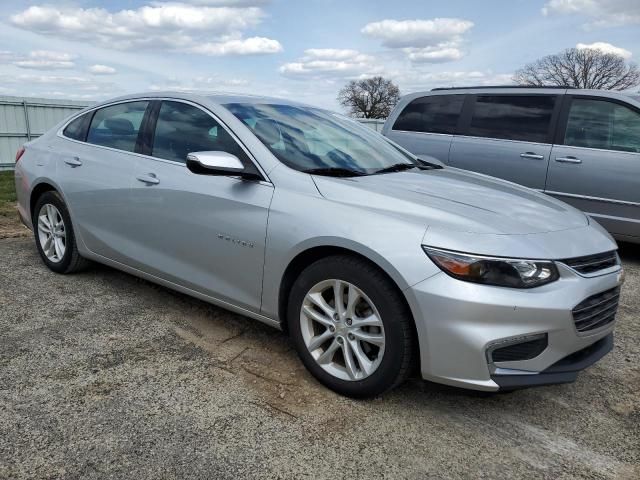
(77, 129)
(603, 124)
(117, 126)
(182, 129)
(431, 114)
(516, 117)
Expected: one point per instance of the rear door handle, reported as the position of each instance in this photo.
(149, 179)
(532, 156)
(568, 160)
(73, 162)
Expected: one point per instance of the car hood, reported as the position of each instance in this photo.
(457, 200)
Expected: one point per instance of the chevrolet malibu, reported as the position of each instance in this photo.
(374, 261)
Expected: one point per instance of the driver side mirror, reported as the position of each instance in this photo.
(218, 163)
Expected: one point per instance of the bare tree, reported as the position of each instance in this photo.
(580, 68)
(369, 98)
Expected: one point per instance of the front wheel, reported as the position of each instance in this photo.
(351, 326)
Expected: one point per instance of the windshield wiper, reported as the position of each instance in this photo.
(397, 167)
(334, 172)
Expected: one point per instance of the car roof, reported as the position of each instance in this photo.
(219, 98)
(520, 90)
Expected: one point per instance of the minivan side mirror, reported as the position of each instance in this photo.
(218, 163)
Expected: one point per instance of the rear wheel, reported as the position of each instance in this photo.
(54, 234)
(351, 327)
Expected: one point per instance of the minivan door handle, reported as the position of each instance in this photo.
(73, 162)
(149, 179)
(532, 156)
(568, 160)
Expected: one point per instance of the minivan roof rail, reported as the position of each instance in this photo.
(500, 86)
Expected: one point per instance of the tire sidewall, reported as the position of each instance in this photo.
(55, 199)
(389, 306)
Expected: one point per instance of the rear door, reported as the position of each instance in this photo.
(96, 170)
(507, 136)
(204, 232)
(426, 125)
(596, 163)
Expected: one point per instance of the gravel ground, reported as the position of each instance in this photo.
(103, 375)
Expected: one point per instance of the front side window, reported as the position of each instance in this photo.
(117, 126)
(513, 117)
(306, 138)
(182, 129)
(77, 129)
(431, 114)
(603, 124)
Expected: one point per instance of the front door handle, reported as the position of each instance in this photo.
(532, 156)
(149, 179)
(73, 162)
(568, 160)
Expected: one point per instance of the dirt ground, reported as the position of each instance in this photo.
(103, 375)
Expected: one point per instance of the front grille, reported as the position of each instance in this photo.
(597, 310)
(592, 263)
(521, 351)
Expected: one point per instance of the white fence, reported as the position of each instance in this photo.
(23, 119)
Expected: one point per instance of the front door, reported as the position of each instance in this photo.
(596, 167)
(204, 232)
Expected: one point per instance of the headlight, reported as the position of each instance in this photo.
(503, 272)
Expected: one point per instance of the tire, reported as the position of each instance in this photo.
(70, 261)
(379, 299)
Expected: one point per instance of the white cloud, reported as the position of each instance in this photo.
(605, 13)
(160, 25)
(200, 84)
(424, 41)
(435, 54)
(102, 70)
(606, 48)
(417, 33)
(331, 63)
(46, 60)
(246, 46)
(421, 80)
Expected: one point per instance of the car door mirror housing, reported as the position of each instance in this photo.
(218, 163)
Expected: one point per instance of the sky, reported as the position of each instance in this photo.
(301, 49)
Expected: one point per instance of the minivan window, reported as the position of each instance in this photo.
(182, 129)
(513, 117)
(117, 126)
(77, 129)
(431, 114)
(603, 124)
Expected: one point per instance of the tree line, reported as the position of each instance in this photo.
(574, 68)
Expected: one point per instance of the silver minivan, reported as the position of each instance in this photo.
(581, 146)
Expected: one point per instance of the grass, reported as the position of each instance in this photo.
(7, 188)
(7, 194)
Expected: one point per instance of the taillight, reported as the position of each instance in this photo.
(19, 154)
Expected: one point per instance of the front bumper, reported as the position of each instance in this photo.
(458, 323)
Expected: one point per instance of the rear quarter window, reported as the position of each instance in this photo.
(431, 114)
(77, 128)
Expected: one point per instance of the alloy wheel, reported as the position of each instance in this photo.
(342, 330)
(51, 233)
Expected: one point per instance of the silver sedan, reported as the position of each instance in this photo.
(375, 262)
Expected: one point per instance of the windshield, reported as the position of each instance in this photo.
(309, 139)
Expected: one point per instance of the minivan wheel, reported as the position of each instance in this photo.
(54, 235)
(350, 326)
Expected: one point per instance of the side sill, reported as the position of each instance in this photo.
(187, 291)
